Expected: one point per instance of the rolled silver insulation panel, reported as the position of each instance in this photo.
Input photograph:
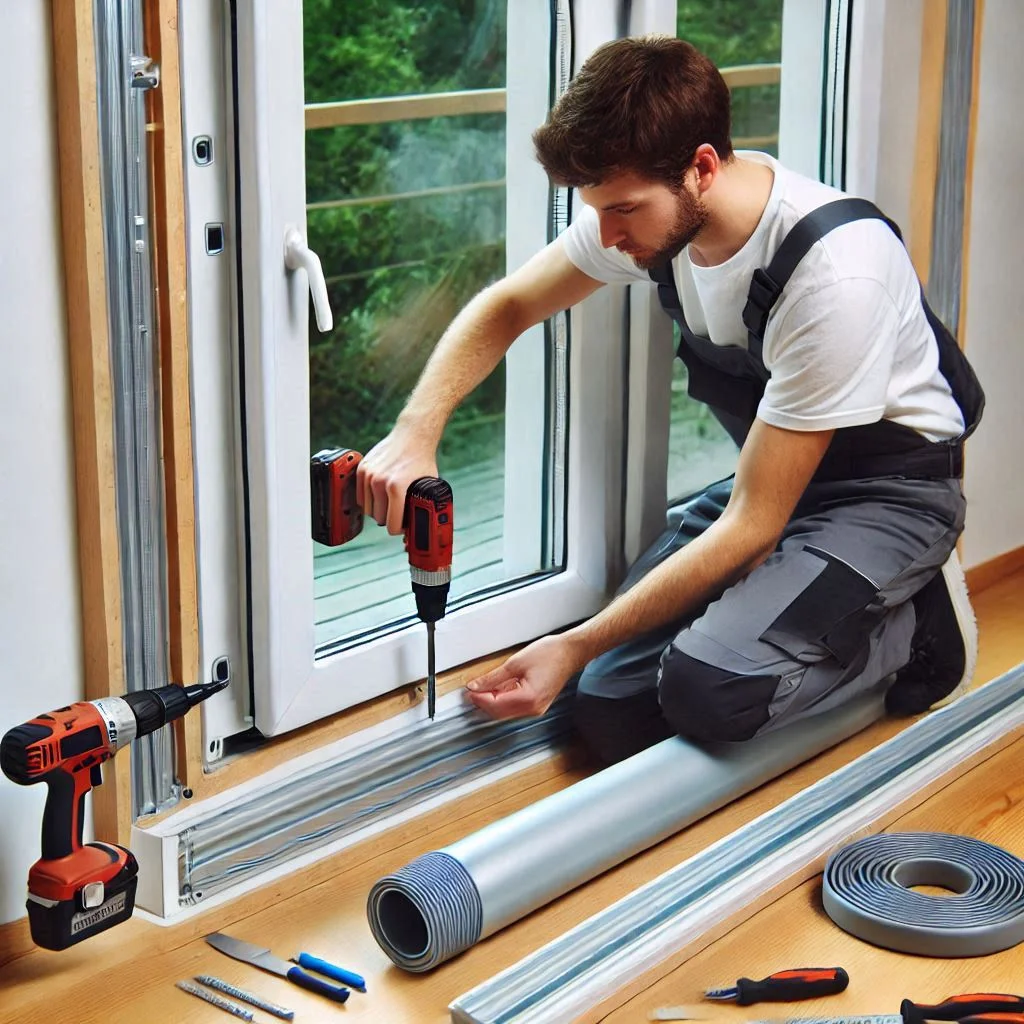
(446, 901)
(868, 891)
(591, 964)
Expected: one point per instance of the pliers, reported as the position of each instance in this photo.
(967, 1008)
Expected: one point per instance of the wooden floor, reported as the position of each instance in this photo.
(128, 973)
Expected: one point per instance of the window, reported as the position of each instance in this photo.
(405, 204)
(675, 446)
(744, 39)
(395, 138)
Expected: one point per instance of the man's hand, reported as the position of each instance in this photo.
(384, 475)
(527, 684)
(474, 344)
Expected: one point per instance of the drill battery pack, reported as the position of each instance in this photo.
(93, 906)
(332, 478)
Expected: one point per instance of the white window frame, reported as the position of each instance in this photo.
(206, 112)
(800, 90)
(291, 686)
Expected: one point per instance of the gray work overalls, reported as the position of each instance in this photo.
(827, 616)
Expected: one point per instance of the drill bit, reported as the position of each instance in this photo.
(431, 681)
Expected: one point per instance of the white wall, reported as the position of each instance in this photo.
(994, 326)
(40, 635)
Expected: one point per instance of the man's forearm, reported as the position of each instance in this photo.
(471, 347)
(722, 555)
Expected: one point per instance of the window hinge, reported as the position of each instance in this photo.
(145, 73)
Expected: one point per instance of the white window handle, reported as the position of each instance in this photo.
(298, 254)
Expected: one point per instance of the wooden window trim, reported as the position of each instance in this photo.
(81, 197)
(926, 148)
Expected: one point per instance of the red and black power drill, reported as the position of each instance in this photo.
(427, 523)
(76, 890)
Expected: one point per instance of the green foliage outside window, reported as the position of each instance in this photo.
(399, 269)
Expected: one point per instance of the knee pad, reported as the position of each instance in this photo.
(705, 703)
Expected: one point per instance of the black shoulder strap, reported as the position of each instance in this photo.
(668, 296)
(767, 283)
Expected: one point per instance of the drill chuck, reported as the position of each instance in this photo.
(153, 709)
(431, 600)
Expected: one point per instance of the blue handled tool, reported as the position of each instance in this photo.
(265, 960)
(314, 963)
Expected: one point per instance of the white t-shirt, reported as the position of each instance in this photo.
(847, 343)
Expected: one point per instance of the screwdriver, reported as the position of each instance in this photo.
(784, 986)
(428, 524)
(970, 1008)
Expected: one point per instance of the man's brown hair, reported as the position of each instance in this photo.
(642, 104)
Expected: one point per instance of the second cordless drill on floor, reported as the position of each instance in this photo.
(77, 889)
(428, 523)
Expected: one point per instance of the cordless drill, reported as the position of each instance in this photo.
(427, 524)
(76, 890)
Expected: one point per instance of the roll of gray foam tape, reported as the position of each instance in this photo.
(868, 891)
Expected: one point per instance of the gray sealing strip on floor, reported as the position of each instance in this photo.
(868, 891)
(589, 965)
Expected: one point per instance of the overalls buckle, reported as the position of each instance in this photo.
(764, 293)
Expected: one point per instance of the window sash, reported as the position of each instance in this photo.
(269, 49)
(291, 685)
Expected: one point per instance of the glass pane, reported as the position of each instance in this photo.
(408, 217)
(699, 449)
(734, 34)
(739, 33)
(363, 49)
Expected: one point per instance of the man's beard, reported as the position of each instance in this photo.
(691, 216)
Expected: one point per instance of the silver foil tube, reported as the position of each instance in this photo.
(446, 901)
